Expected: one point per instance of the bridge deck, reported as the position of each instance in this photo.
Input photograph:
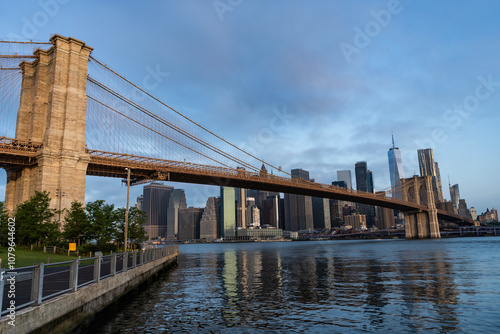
(14, 153)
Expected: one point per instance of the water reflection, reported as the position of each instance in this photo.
(314, 287)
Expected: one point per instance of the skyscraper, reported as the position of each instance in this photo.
(140, 200)
(429, 167)
(337, 206)
(455, 195)
(210, 221)
(345, 175)
(360, 170)
(396, 171)
(473, 213)
(321, 213)
(270, 211)
(439, 185)
(189, 223)
(155, 204)
(298, 208)
(462, 209)
(241, 216)
(364, 182)
(385, 216)
(176, 201)
(228, 212)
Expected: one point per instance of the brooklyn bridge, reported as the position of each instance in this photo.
(68, 115)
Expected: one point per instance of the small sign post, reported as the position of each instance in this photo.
(72, 247)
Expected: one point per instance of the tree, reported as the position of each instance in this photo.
(3, 224)
(102, 221)
(76, 223)
(136, 232)
(34, 221)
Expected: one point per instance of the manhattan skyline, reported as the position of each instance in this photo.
(274, 78)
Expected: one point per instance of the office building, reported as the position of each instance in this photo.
(176, 202)
(473, 213)
(336, 206)
(210, 221)
(385, 216)
(463, 210)
(260, 196)
(364, 182)
(396, 171)
(345, 175)
(155, 203)
(281, 221)
(228, 212)
(250, 205)
(189, 223)
(487, 217)
(361, 168)
(270, 211)
(241, 211)
(439, 185)
(321, 213)
(298, 208)
(495, 214)
(255, 211)
(260, 234)
(139, 203)
(356, 221)
(429, 167)
(455, 195)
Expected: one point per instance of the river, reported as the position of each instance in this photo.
(411, 286)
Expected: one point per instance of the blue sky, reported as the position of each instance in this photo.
(343, 75)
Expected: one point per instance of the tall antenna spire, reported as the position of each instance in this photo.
(393, 141)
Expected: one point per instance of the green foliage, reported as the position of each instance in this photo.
(76, 224)
(35, 221)
(102, 219)
(105, 248)
(98, 226)
(136, 232)
(3, 225)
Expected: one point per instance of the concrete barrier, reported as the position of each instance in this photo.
(63, 313)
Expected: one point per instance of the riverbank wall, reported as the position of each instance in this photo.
(66, 312)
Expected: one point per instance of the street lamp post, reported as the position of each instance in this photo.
(60, 194)
(126, 209)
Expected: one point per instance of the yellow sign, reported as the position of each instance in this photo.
(72, 246)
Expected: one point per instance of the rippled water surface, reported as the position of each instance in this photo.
(421, 286)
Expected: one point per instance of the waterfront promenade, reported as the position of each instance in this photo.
(66, 294)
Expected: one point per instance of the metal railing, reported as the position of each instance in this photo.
(31, 286)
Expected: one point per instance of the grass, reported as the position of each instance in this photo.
(26, 257)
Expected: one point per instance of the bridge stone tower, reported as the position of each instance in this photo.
(420, 224)
(52, 111)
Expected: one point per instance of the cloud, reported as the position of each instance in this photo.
(231, 75)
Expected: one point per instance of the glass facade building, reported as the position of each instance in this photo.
(396, 171)
(228, 212)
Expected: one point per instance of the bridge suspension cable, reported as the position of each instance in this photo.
(168, 124)
(25, 42)
(10, 85)
(190, 120)
(150, 129)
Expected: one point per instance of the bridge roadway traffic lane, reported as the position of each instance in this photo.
(55, 279)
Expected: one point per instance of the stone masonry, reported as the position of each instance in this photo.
(53, 111)
(420, 224)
